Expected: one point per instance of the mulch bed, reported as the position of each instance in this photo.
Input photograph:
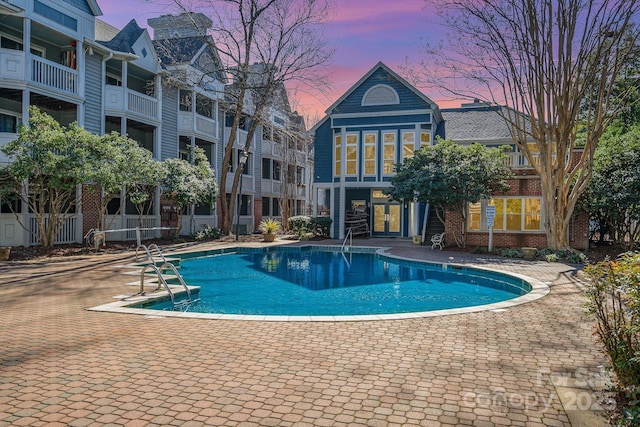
(597, 252)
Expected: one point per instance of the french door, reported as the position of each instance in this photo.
(386, 219)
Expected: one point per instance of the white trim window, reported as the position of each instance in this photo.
(513, 214)
(408, 144)
(370, 148)
(337, 154)
(425, 138)
(389, 153)
(351, 162)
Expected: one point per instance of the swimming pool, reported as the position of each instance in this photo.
(314, 281)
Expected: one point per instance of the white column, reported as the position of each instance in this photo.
(125, 90)
(26, 30)
(341, 189)
(81, 69)
(157, 144)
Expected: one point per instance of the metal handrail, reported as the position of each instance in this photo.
(348, 236)
(161, 280)
(180, 279)
(149, 254)
(346, 261)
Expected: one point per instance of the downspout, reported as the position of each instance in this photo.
(104, 84)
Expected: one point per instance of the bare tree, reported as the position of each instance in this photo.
(554, 63)
(263, 45)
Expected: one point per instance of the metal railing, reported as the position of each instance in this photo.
(348, 236)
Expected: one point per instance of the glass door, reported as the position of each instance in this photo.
(386, 219)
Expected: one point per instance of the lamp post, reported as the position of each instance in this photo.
(243, 159)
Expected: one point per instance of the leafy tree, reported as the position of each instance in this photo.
(450, 176)
(554, 63)
(187, 184)
(48, 163)
(264, 44)
(143, 181)
(613, 196)
(115, 161)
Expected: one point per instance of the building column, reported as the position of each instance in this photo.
(26, 34)
(343, 172)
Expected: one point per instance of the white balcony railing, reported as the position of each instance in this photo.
(203, 124)
(12, 63)
(143, 104)
(517, 161)
(206, 125)
(6, 138)
(137, 102)
(53, 75)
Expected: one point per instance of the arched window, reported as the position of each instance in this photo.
(380, 95)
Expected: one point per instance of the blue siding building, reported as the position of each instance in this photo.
(376, 124)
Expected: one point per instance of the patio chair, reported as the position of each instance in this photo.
(437, 240)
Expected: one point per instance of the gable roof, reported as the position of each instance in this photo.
(381, 65)
(475, 123)
(176, 51)
(124, 40)
(185, 50)
(95, 9)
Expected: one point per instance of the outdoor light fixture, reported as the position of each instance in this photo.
(242, 160)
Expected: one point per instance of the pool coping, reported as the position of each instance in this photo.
(124, 303)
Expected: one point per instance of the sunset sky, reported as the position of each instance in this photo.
(362, 31)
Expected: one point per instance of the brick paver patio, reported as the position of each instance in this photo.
(63, 365)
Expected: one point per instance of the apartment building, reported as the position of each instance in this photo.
(382, 120)
(165, 92)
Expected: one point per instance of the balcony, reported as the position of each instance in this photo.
(203, 125)
(517, 161)
(138, 103)
(45, 73)
(6, 138)
(247, 183)
(54, 76)
(12, 64)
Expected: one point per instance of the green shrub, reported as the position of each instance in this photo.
(321, 226)
(552, 257)
(299, 225)
(573, 257)
(207, 233)
(613, 298)
(631, 410)
(511, 253)
(577, 258)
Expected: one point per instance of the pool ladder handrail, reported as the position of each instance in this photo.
(348, 236)
(148, 251)
(163, 281)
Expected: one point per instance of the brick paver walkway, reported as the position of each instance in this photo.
(63, 365)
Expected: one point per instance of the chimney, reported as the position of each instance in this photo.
(179, 26)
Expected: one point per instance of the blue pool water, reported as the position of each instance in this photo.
(319, 283)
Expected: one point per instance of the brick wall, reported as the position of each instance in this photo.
(522, 186)
(257, 212)
(90, 206)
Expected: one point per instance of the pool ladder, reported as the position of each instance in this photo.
(162, 279)
(349, 237)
